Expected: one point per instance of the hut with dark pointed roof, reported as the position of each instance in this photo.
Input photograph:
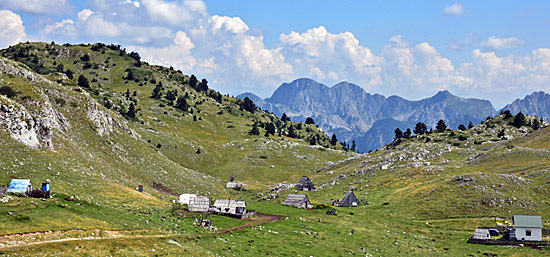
(350, 200)
(305, 184)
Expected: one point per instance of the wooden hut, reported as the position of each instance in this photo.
(527, 228)
(230, 207)
(22, 186)
(199, 204)
(350, 200)
(298, 201)
(481, 234)
(305, 184)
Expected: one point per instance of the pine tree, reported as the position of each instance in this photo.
(470, 125)
(132, 111)
(83, 81)
(519, 120)
(247, 105)
(310, 120)
(285, 118)
(420, 128)
(69, 74)
(398, 133)
(255, 130)
(291, 132)
(536, 124)
(193, 82)
(333, 140)
(203, 85)
(461, 127)
(407, 133)
(157, 92)
(270, 128)
(353, 145)
(441, 126)
(181, 104)
(170, 96)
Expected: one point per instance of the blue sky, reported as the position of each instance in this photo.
(496, 50)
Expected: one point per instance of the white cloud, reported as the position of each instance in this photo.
(455, 9)
(174, 13)
(496, 43)
(12, 30)
(317, 53)
(37, 6)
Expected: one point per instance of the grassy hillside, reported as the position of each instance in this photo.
(426, 195)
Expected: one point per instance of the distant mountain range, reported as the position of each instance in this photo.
(370, 119)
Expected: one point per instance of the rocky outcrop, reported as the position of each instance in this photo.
(23, 127)
(104, 122)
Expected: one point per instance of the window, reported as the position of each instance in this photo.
(528, 233)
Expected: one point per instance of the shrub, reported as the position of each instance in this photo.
(8, 91)
(60, 101)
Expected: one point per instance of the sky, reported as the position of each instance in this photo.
(495, 50)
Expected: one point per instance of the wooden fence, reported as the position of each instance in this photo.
(509, 242)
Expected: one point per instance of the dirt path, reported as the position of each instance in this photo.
(260, 219)
(14, 240)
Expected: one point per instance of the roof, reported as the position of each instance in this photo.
(235, 184)
(305, 182)
(527, 221)
(19, 185)
(296, 198)
(481, 233)
(350, 199)
(230, 203)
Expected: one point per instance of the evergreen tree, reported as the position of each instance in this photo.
(193, 82)
(181, 104)
(85, 58)
(461, 127)
(157, 92)
(441, 126)
(132, 111)
(285, 118)
(353, 145)
(310, 120)
(203, 85)
(398, 133)
(519, 120)
(470, 125)
(291, 132)
(270, 128)
(247, 105)
(130, 75)
(255, 130)
(83, 81)
(507, 114)
(333, 140)
(420, 128)
(69, 74)
(407, 133)
(170, 96)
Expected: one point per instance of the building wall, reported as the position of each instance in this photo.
(536, 234)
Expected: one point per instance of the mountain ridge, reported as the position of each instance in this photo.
(350, 112)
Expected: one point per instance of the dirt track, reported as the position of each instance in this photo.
(15, 240)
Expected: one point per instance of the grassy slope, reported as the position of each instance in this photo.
(432, 208)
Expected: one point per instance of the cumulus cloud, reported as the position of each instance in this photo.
(12, 30)
(455, 9)
(496, 43)
(330, 57)
(222, 49)
(37, 6)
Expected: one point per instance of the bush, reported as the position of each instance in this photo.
(60, 101)
(8, 91)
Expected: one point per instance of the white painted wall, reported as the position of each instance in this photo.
(536, 234)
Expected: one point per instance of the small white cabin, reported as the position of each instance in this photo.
(230, 207)
(527, 228)
(199, 204)
(481, 233)
(184, 198)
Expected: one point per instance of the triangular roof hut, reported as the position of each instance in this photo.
(22, 186)
(350, 200)
(305, 184)
(298, 201)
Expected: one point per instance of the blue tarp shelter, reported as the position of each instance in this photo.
(22, 186)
